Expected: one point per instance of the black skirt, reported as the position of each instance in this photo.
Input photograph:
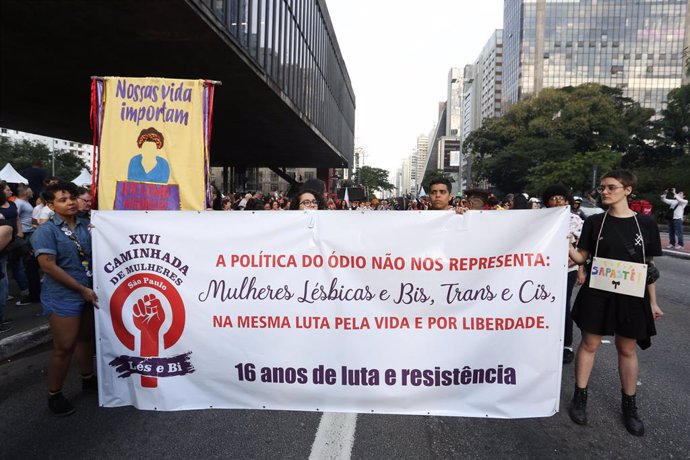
(607, 313)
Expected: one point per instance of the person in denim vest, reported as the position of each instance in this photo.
(63, 248)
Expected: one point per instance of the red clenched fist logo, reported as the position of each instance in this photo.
(148, 318)
(148, 315)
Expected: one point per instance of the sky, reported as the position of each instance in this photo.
(398, 54)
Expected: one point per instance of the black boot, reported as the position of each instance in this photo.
(89, 383)
(578, 406)
(632, 422)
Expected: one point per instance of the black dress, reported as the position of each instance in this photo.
(608, 313)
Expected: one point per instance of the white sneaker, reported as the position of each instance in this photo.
(670, 246)
(679, 247)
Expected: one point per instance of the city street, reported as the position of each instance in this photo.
(30, 431)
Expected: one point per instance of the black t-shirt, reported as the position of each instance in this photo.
(618, 235)
(35, 176)
(603, 312)
(10, 215)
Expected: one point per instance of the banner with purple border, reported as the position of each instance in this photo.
(320, 310)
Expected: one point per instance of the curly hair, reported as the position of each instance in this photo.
(151, 135)
(321, 204)
(556, 189)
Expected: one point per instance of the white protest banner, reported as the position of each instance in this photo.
(385, 312)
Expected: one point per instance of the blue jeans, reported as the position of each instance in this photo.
(675, 232)
(3, 287)
(19, 274)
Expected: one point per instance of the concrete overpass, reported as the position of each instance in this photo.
(286, 98)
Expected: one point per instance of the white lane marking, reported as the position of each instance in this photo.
(335, 437)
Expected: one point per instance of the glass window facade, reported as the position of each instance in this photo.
(293, 43)
(618, 43)
(491, 74)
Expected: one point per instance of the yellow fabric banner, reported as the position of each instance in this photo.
(152, 152)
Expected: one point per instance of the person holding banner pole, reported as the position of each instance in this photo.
(308, 199)
(63, 248)
(622, 245)
(440, 192)
(559, 195)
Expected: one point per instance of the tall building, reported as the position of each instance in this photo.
(444, 140)
(471, 113)
(471, 98)
(491, 77)
(422, 154)
(414, 178)
(633, 45)
(454, 103)
(482, 96)
(405, 186)
(434, 161)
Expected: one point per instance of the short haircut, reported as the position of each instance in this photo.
(441, 180)
(623, 176)
(83, 190)
(61, 186)
(22, 189)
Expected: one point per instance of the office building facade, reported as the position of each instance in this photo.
(636, 46)
(490, 76)
(454, 103)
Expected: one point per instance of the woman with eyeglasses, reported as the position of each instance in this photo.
(619, 234)
(308, 199)
(559, 195)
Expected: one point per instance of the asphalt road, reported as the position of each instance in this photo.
(27, 430)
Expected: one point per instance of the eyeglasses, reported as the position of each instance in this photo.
(84, 200)
(610, 188)
(309, 203)
(557, 198)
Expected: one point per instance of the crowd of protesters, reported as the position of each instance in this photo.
(277, 201)
(21, 213)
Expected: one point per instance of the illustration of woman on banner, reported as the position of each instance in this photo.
(142, 167)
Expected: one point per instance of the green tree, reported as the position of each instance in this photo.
(373, 179)
(675, 123)
(511, 167)
(21, 154)
(551, 130)
(575, 171)
(487, 141)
